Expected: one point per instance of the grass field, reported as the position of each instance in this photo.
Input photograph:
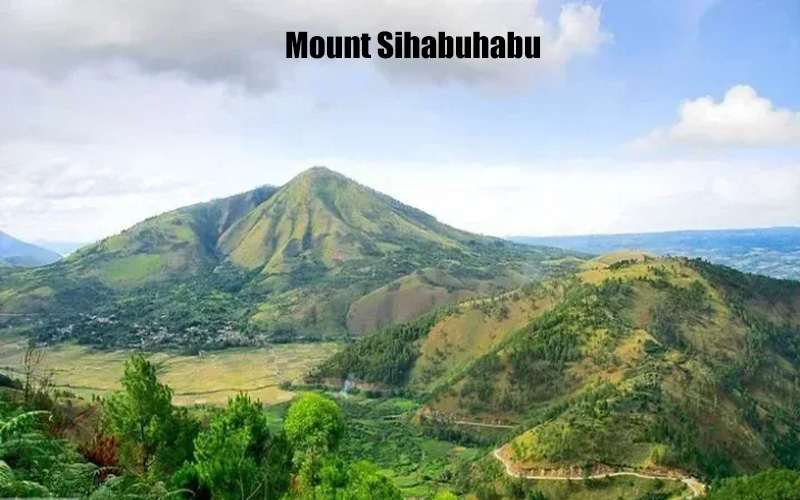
(211, 378)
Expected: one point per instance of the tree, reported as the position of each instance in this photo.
(314, 426)
(141, 416)
(236, 457)
(359, 481)
(767, 485)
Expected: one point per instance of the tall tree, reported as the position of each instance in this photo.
(314, 426)
(236, 457)
(359, 481)
(141, 416)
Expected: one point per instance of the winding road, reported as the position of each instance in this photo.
(697, 488)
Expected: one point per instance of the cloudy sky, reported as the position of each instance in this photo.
(641, 115)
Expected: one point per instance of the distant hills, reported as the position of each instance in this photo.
(60, 247)
(17, 253)
(773, 252)
(319, 257)
(634, 363)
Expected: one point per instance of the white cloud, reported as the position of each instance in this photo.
(742, 118)
(61, 198)
(594, 196)
(243, 40)
(583, 197)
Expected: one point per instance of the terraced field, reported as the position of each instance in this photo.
(211, 378)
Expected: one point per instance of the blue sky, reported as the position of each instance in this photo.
(643, 115)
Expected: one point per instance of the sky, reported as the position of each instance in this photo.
(641, 115)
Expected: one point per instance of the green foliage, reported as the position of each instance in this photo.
(314, 424)
(655, 365)
(132, 487)
(767, 485)
(236, 457)
(153, 433)
(686, 448)
(386, 356)
(478, 477)
(580, 434)
(677, 307)
(315, 427)
(739, 286)
(359, 481)
(32, 463)
(445, 495)
(534, 358)
(380, 431)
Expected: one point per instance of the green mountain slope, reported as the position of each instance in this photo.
(16, 253)
(325, 217)
(320, 257)
(180, 242)
(634, 363)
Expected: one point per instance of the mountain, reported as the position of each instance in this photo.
(320, 257)
(16, 253)
(180, 243)
(773, 252)
(634, 363)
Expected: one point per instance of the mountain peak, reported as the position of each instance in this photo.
(317, 173)
(315, 180)
(325, 217)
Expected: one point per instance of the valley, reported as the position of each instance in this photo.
(211, 378)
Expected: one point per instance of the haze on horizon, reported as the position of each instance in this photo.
(638, 118)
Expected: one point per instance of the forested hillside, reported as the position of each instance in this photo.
(136, 444)
(634, 363)
(321, 257)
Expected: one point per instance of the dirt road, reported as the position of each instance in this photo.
(697, 488)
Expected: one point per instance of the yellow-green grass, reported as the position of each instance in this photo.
(318, 213)
(460, 338)
(719, 333)
(208, 379)
(134, 270)
(405, 299)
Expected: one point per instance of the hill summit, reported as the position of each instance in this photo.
(319, 257)
(324, 216)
